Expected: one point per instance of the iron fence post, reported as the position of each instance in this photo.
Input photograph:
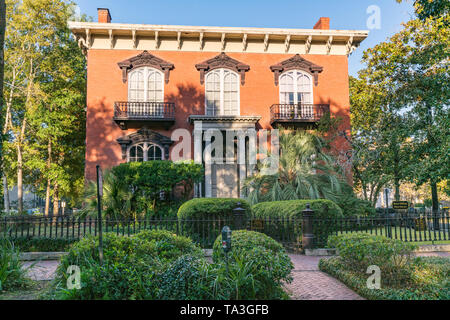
(239, 217)
(307, 222)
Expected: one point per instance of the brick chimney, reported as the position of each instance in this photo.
(103, 15)
(323, 23)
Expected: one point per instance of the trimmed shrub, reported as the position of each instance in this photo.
(131, 267)
(199, 208)
(293, 209)
(217, 212)
(259, 266)
(243, 240)
(360, 250)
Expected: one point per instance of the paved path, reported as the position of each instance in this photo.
(41, 270)
(312, 284)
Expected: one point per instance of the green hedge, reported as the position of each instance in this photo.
(200, 208)
(44, 244)
(293, 209)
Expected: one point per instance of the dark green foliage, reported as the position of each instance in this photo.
(429, 280)
(243, 240)
(131, 269)
(133, 190)
(188, 278)
(361, 250)
(44, 244)
(211, 208)
(259, 266)
(12, 273)
(293, 209)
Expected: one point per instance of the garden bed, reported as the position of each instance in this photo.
(432, 282)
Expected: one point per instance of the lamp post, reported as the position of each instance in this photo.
(226, 243)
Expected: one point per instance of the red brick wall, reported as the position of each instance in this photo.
(256, 96)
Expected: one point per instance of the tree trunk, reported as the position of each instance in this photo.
(47, 192)
(47, 198)
(19, 180)
(6, 194)
(435, 204)
(2, 65)
(55, 201)
(397, 189)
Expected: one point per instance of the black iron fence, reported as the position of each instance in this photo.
(294, 233)
(428, 227)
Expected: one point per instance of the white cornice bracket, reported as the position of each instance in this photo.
(133, 34)
(111, 39)
(266, 41)
(223, 41)
(287, 42)
(157, 39)
(308, 44)
(88, 38)
(329, 43)
(179, 40)
(200, 39)
(244, 42)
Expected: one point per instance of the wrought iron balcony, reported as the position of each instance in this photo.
(302, 113)
(133, 113)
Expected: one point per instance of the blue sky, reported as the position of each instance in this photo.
(344, 14)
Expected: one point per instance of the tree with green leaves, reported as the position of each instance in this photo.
(45, 101)
(412, 69)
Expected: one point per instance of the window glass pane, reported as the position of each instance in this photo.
(136, 86)
(154, 153)
(230, 95)
(155, 87)
(136, 153)
(213, 93)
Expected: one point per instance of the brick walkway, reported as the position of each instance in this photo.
(312, 284)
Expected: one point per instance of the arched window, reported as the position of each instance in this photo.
(136, 153)
(146, 84)
(296, 88)
(144, 152)
(222, 92)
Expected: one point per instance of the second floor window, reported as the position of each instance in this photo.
(146, 84)
(295, 88)
(222, 93)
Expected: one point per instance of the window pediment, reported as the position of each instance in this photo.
(222, 61)
(145, 135)
(297, 62)
(145, 59)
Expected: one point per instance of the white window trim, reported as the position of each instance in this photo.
(222, 91)
(295, 84)
(146, 147)
(146, 71)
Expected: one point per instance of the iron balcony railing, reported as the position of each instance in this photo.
(131, 110)
(301, 112)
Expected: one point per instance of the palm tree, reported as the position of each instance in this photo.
(116, 201)
(305, 171)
